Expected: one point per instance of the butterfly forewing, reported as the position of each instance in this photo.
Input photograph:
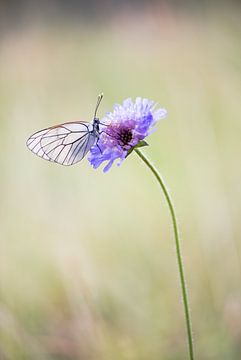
(65, 144)
(33, 143)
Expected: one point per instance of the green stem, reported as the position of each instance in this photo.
(178, 250)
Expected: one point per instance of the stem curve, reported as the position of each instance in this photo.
(178, 250)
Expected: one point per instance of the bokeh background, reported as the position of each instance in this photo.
(87, 262)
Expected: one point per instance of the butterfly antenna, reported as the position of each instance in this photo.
(100, 97)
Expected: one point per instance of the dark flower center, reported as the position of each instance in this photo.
(124, 136)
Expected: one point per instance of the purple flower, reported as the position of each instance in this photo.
(123, 129)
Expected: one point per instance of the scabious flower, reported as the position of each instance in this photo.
(123, 129)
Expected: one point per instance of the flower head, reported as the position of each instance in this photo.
(123, 129)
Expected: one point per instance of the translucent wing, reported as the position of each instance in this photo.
(65, 144)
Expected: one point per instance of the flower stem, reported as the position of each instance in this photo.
(178, 250)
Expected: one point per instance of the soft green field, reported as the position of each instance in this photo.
(87, 262)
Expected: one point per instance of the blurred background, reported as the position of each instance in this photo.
(87, 260)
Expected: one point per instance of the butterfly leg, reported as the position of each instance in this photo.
(98, 146)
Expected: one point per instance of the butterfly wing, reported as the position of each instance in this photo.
(65, 144)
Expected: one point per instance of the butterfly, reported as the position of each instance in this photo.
(67, 143)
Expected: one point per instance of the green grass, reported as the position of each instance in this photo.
(87, 262)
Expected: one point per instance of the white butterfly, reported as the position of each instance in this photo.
(67, 143)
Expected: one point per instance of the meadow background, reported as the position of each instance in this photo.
(87, 262)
